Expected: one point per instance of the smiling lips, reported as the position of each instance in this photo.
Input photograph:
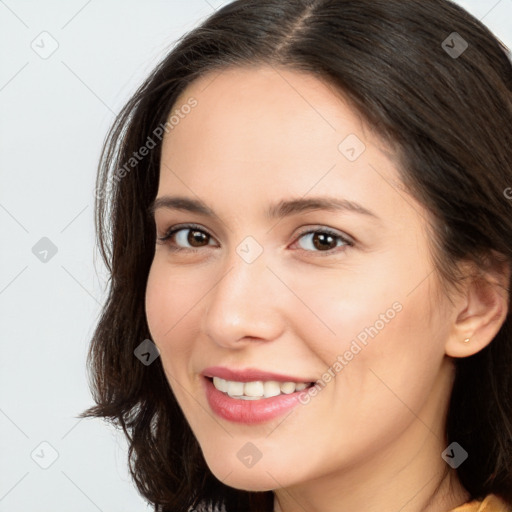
(250, 396)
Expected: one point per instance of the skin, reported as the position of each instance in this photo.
(372, 438)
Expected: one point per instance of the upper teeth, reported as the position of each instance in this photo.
(257, 389)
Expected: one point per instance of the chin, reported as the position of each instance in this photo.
(251, 482)
(256, 479)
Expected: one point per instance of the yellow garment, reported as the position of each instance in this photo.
(491, 503)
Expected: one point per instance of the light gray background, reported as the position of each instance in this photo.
(55, 112)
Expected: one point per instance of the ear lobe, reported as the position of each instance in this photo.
(483, 309)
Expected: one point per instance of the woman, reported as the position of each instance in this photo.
(306, 212)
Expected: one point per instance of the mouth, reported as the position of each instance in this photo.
(253, 395)
(252, 402)
(258, 389)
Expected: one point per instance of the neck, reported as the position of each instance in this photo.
(439, 494)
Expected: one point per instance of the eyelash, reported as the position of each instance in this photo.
(165, 240)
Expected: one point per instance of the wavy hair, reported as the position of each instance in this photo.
(447, 115)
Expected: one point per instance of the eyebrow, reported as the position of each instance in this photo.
(284, 208)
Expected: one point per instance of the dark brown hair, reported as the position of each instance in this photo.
(447, 115)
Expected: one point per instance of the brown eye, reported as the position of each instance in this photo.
(323, 240)
(185, 238)
(196, 237)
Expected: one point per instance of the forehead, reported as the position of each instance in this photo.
(252, 110)
(274, 131)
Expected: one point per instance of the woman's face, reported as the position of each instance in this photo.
(339, 296)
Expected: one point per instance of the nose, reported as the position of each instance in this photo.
(245, 304)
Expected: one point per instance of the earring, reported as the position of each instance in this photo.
(466, 340)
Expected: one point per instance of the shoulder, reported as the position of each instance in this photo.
(491, 503)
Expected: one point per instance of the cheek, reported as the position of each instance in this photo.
(169, 304)
(374, 333)
(394, 371)
(157, 302)
(333, 307)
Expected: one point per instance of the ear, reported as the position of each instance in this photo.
(480, 311)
